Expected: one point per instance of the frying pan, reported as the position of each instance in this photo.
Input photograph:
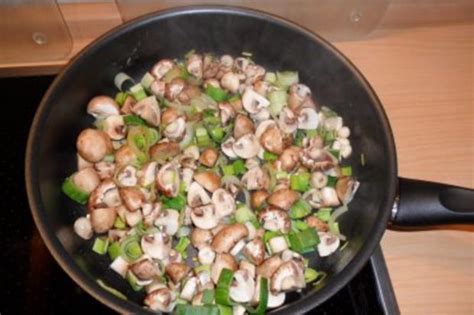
(275, 44)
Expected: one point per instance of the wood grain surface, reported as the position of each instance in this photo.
(424, 78)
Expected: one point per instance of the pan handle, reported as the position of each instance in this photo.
(423, 204)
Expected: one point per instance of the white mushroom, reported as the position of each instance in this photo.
(275, 220)
(103, 219)
(228, 237)
(268, 267)
(228, 148)
(256, 179)
(93, 145)
(102, 107)
(262, 115)
(197, 196)
(168, 180)
(161, 68)
(163, 300)
(248, 266)
(328, 244)
(246, 146)
(346, 187)
(148, 174)
(150, 212)
(238, 310)
(190, 288)
(287, 121)
(168, 220)
(242, 126)
(273, 140)
(133, 218)
(114, 127)
(226, 112)
(194, 65)
(201, 238)
(176, 129)
(223, 202)
(127, 177)
(308, 119)
(226, 62)
(156, 245)
(206, 255)
(289, 276)
(187, 177)
(205, 217)
(275, 300)
(243, 286)
(205, 281)
(329, 197)
(254, 73)
(255, 251)
(253, 102)
(230, 81)
(86, 180)
(222, 261)
(149, 110)
(83, 228)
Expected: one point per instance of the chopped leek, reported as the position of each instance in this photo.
(217, 94)
(147, 80)
(133, 120)
(299, 138)
(310, 275)
(324, 214)
(202, 138)
(130, 249)
(263, 301)
(132, 280)
(331, 181)
(177, 203)
(244, 214)
(119, 223)
(223, 287)
(120, 98)
(311, 133)
(187, 309)
(138, 92)
(228, 170)
(114, 250)
(270, 157)
(299, 225)
(239, 167)
(182, 245)
(346, 171)
(300, 181)
(300, 209)
(75, 193)
(303, 241)
(286, 78)
(217, 134)
(208, 296)
(278, 99)
(111, 290)
(100, 245)
(270, 77)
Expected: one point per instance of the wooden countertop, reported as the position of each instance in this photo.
(424, 78)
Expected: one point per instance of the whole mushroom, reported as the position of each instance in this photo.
(93, 145)
(86, 179)
(103, 219)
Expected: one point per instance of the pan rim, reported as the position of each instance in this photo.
(57, 250)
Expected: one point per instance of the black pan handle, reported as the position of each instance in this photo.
(423, 204)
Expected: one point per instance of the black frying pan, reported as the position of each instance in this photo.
(275, 44)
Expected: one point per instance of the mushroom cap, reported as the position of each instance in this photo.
(328, 244)
(169, 115)
(272, 140)
(200, 237)
(255, 251)
(329, 197)
(289, 276)
(283, 198)
(275, 220)
(164, 150)
(263, 126)
(223, 202)
(256, 179)
(149, 110)
(345, 188)
(168, 180)
(253, 102)
(206, 255)
(86, 179)
(268, 267)
(156, 245)
(205, 217)
(242, 126)
(144, 269)
(103, 219)
(230, 81)
(106, 195)
(308, 119)
(222, 261)
(177, 271)
(209, 157)
(148, 174)
(93, 145)
(316, 223)
(197, 196)
(163, 300)
(194, 65)
(208, 179)
(168, 220)
(114, 127)
(161, 68)
(190, 288)
(228, 148)
(228, 236)
(176, 129)
(243, 286)
(246, 146)
(226, 112)
(124, 156)
(132, 197)
(287, 121)
(102, 107)
(83, 228)
(289, 159)
(127, 176)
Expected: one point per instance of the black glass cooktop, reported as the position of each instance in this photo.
(33, 283)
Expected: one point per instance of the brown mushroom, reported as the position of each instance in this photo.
(132, 197)
(288, 277)
(268, 267)
(174, 88)
(275, 220)
(125, 156)
(283, 198)
(176, 129)
(162, 151)
(256, 179)
(316, 223)
(163, 300)
(105, 169)
(144, 269)
(231, 82)
(287, 121)
(345, 188)
(255, 251)
(103, 219)
(257, 198)
(177, 271)
(209, 157)
(106, 195)
(227, 237)
(169, 115)
(208, 179)
(126, 108)
(188, 93)
(93, 145)
(200, 238)
(316, 159)
(210, 66)
(226, 112)
(194, 65)
(242, 126)
(272, 140)
(289, 159)
(86, 179)
(161, 68)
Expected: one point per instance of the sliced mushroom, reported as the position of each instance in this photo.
(149, 110)
(299, 94)
(237, 248)
(231, 82)
(317, 159)
(177, 271)
(156, 245)
(190, 288)
(148, 174)
(102, 107)
(228, 148)
(206, 255)
(133, 218)
(210, 66)
(168, 180)
(329, 197)
(228, 237)
(194, 65)
(208, 179)
(319, 180)
(222, 261)
(104, 169)
(114, 127)
(256, 179)
(263, 126)
(226, 112)
(157, 88)
(223, 202)
(243, 286)
(241, 63)
(212, 82)
(275, 300)
(272, 140)
(255, 251)
(269, 266)
(188, 93)
(287, 121)
(125, 156)
(288, 277)
(254, 73)
(93, 145)
(145, 269)
(201, 238)
(209, 157)
(205, 217)
(308, 119)
(103, 219)
(168, 220)
(86, 179)
(164, 150)
(197, 196)
(242, 126)
(316, 223)
(83, 228)
(127, 177)
(253, 102)
(169, 115)
(261, 87)
(313, 197)
(262, 115)
(345, 188)
(176, 129)
(106, 195)
(328, 243)
(289, 159)
(163, 300)
(129, 102)
(248, 266)
(161, 68)
(226, 62)
(133, 198)
(283, 198)
(246, 146)
(275, 220)
(150, 212)
(258, 198)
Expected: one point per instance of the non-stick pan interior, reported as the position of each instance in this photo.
(275, 45)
